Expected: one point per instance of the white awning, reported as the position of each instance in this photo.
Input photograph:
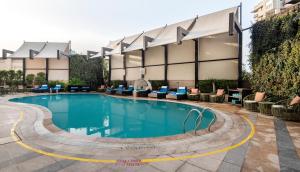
(211, 24)
(23, 51)
(139, 43)
(50, 50)
(117, 48)
(169, 34)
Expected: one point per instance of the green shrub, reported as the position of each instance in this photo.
(206, 86)
(54, 83)
(76, 81)
(29, 79)
(40, 78)
(3, 77)
(275, 56)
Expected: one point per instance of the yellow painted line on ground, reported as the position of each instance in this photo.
(113, 161)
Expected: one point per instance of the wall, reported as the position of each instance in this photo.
(117, 67)
(218, 47)
(59, 69)
(154, 56)
(181, 74)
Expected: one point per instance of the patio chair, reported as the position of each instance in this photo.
(41, 89)
(110, 90)
(142, 92)
(85, 88)
(251, 101)
(161, 93)
(194, 94)
(219, 97)
(101, 89)
(179, 95)
(73, 88)
(120, 89)
(128, 91)
(288, 109)
(57, 88)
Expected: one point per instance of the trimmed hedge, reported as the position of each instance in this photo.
(205, 86)
(275, 56)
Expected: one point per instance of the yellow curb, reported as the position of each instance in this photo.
(113, 161)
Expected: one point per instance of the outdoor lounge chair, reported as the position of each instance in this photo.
(110, 90)
(194, 94)
(73, 88)
(128, 91)
(288, 109)
(120, 89)
(85, 88)
(219, 97)
(142, 92)
(161, 93)
(41, 89)
(179, 95)
(57, 88)
(251, 101)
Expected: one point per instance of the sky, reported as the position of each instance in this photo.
(91, 24)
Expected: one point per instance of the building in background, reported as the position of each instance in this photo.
(50, 58)
(181, 54)
(268, 8)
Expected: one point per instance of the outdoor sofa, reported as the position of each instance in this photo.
(194, 94)
(288, 109)
(251, 101)
(42, 89)
(219, 97)
(161, 93)
(180, 94)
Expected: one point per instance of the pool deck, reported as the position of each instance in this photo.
(275, 145)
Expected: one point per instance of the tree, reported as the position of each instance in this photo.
(30, 79)
(40, 78)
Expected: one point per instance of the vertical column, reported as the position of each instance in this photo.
(196, 62)
(24, 71)
(69, 69)
(166, 63)
(240, 58)
(47, 70)
(109, 70)
(124, 67)
(143, 62)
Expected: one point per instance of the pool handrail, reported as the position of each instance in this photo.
(188, 115)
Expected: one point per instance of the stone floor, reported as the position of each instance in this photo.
(274, 147)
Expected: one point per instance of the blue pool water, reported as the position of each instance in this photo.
(106, 116)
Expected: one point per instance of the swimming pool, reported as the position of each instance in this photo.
(106, 116)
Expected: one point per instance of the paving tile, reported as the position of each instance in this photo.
(206, 163)
(167, 165)
(34, 164)
(190, 168)
(227, 167)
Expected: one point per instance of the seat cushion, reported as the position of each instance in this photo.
(194, 91)
(220, 92)
(295, 101)
(259, 96)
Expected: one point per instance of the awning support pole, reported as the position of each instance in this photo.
(143, 62)
(166, 63)
(196, 62)
(47, 70)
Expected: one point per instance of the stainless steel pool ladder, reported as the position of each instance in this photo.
(212, 121)
(199, 119)
(196, 121)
